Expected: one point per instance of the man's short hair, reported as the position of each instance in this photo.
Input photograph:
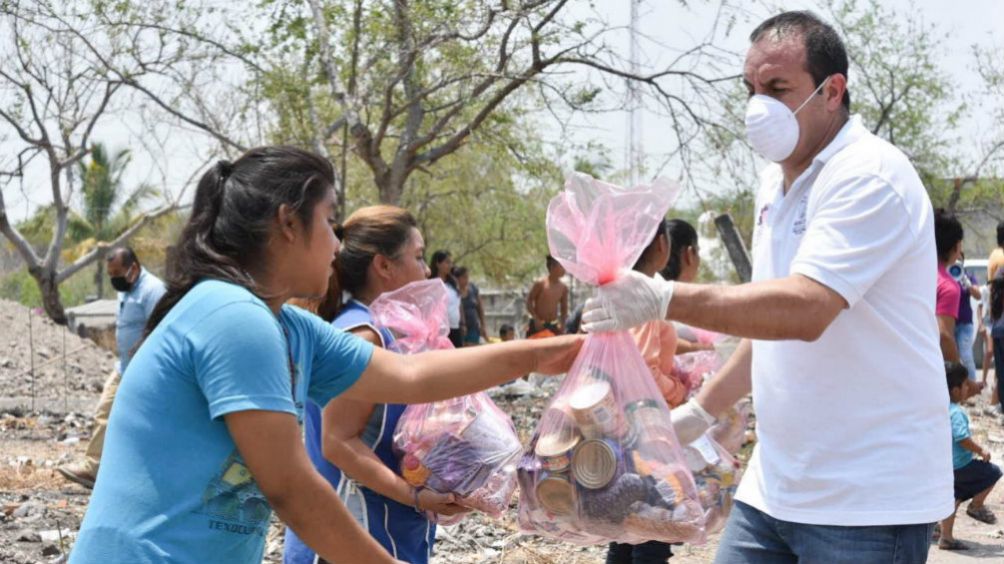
(505, 329)
(552, 262)
(1000, 234)
(128, 256)
(947, 233)
(825, 54)
(956, 374)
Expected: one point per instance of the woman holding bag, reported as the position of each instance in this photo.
(205, 441)
(349, 441)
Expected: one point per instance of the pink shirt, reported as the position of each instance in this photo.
(657, 343)
(949, 295)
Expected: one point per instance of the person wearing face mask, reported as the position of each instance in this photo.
(139, 291)
(840, 349)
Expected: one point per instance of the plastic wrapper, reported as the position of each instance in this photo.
(730, 430)
(692, 368)
(466, 446)
(605, 464)
(716, 475)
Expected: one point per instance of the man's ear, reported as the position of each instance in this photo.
(834, 92)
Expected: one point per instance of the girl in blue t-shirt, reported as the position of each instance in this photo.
(350, 441)
(204, 439)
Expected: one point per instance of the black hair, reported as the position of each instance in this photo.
(127, 255)
(955, 373)
(825, 54)
(233, 213)
(505, 329)
(459, 271)
(660, 231)
(438, 257)
(681, 236)
(551, 262)
(1000, 234)
(947, 233)
(997, 296)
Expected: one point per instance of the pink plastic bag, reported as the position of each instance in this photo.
(691, 368)
(605, 464)
(716, 474)
(467, 445)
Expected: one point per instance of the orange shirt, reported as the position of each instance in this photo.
(657, 342)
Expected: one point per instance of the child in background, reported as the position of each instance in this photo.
(657, 344)
(974, 478)
(507, 332)
(547, 302)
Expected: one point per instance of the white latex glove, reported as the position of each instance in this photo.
(630, 300)
(690, 421)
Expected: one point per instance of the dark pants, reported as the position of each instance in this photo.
(651, 552)
(457, 338)
(999, 367)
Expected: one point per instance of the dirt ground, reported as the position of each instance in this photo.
(40, 512)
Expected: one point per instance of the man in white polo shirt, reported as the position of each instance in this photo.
(853, 462)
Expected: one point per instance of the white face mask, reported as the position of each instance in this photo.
(771, 127)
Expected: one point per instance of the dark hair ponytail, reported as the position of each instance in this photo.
(681, 236)
(233, 212)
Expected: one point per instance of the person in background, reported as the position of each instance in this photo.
(350, 441)
(997, 333)
(996, 259)
(441, 266)
(974, 477)
(507, 333)
(657, 343)
(684, 264)
(473, 310)
(547, 302)
(948, 236)
(138, 293)
(965, 330)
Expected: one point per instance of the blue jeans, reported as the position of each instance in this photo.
(965, 337)
(753, 537)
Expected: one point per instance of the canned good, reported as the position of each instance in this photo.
(595, 463)
(647, 417)
(554, 449)
(556, 494)
(595, 409)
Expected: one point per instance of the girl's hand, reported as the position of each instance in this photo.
(443, 504)
(555, 355)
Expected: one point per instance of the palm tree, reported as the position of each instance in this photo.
(108, 209)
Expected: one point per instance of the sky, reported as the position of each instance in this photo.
(180, 152)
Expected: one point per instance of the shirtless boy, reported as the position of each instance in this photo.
(546, 296)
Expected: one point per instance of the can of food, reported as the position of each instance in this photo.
(595, 463)
(555, 493)
(648, 417)
(595, 409)
(554, 449)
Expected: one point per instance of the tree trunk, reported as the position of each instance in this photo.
(99, 277)
(46, 280)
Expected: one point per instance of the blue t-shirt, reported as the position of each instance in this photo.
(960, 432)
(172, 486)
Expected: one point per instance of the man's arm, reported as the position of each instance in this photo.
(946, 330)
(795, 307)
(531, 301)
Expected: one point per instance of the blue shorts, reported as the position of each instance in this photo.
(975, 477)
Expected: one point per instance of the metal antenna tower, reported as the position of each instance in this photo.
(634, 158)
